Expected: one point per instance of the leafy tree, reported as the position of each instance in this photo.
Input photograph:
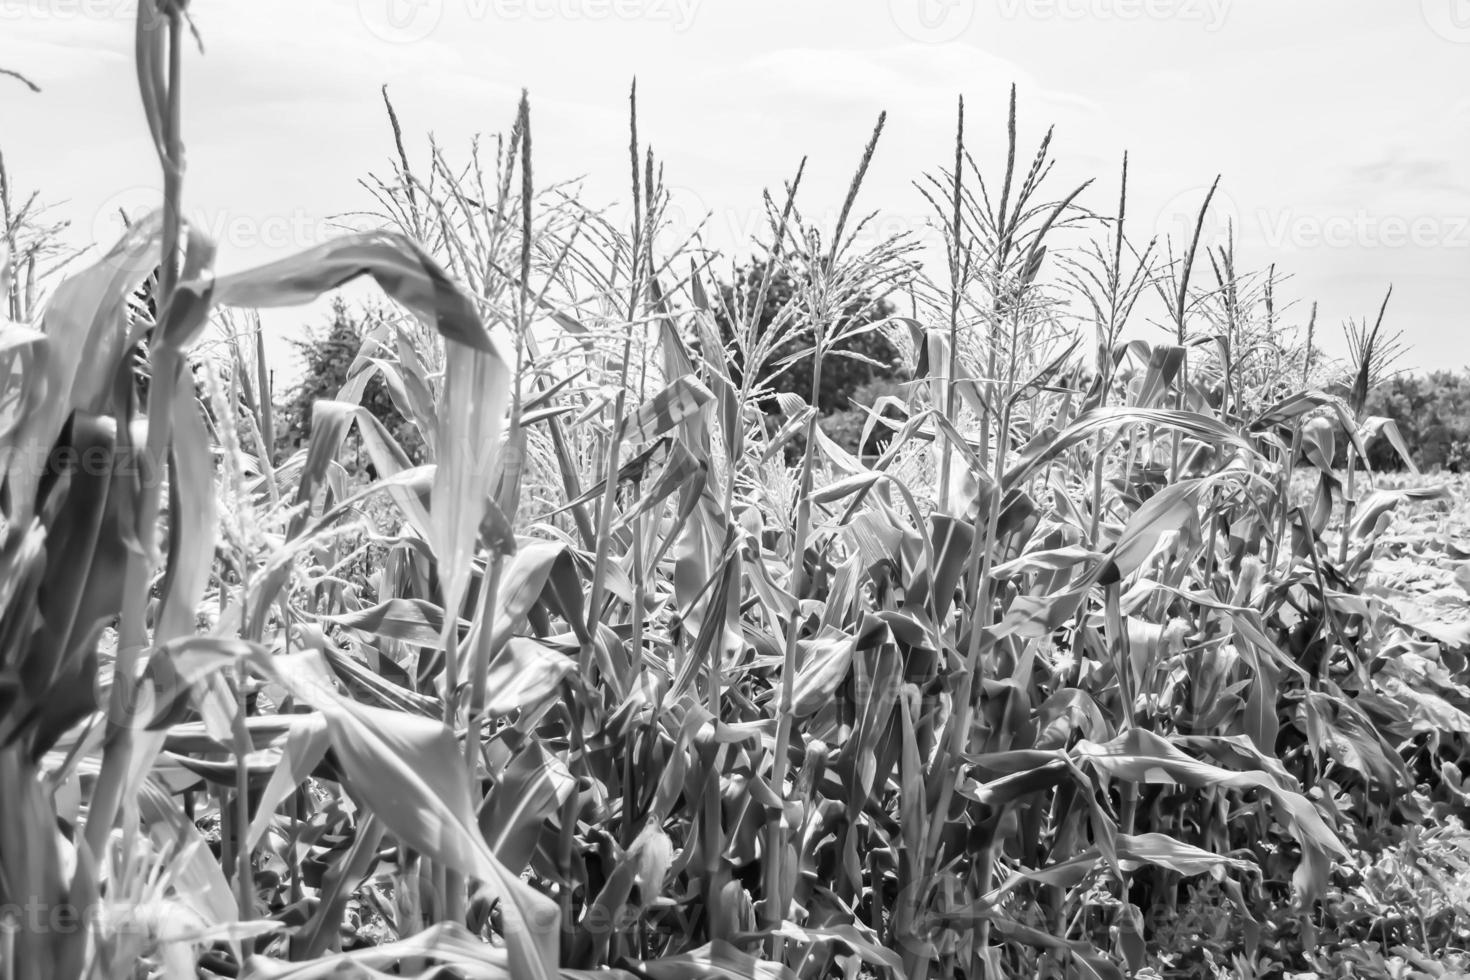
(1432, 412)
(328, 358)
(873, 372)
(841, 376)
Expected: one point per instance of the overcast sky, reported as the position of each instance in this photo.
(1341, 127)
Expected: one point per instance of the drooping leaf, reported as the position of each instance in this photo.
(416, 621)
(1164, 512)
(409, 772)
(1193, 425)
(530, 790)
(681, 399)
(523, 674)
(1143, 756)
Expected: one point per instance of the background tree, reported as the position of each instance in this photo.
(1432, 412)
(870, 368)
(328, 358)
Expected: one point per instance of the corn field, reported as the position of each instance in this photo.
(1080, 672)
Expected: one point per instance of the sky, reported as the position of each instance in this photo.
(1340, 129)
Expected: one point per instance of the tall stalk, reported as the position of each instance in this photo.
(824, 319)
(615, 438)
(959, 258)
(158, 28)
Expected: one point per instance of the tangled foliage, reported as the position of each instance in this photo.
(1433, 412)
(329, 360)
(1062, 680)
(762, 291)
